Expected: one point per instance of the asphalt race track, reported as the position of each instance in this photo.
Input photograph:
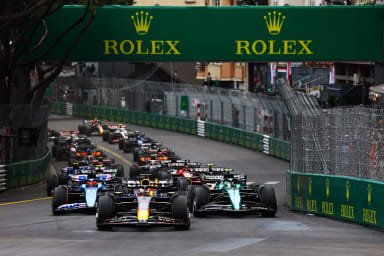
(29, 228)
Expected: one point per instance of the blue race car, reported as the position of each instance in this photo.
(82, 192)
(134, 140)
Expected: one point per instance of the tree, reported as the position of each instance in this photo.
(20, 21)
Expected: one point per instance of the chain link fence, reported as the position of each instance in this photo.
(343, 141)
(258, 112)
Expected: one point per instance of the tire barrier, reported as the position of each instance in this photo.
(351, 199)
(200, 128)
(27, 172)
(3, 178)
(67, 110)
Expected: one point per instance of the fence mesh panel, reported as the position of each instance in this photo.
(259, 112)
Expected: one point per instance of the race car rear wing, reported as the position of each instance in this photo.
(208, 170)
(68, 132)
(183, 164)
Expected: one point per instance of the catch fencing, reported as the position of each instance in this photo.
(257, 112)
(343, 141)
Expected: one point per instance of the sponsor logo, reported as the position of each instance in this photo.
(274, 22)
(142, 22)
(72, 206)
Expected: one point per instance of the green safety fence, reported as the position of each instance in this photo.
(346, 198)
(248, 139)
(57, 107)
(176, 124)
(27, 172)
(280, 148)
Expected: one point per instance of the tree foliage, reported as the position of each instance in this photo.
(19, 23)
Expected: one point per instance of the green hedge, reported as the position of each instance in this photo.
(28, 172)
(346, 198)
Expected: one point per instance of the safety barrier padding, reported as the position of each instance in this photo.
(248, 139)
(27, 172)
(352, 199)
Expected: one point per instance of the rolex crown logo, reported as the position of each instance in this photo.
(274, 23)
(142, 22)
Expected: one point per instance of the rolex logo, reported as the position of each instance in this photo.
(274, 23)
(142, 22)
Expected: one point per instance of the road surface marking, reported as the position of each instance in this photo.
(26, 201)
(84, 231)
(282, 226)
(228, 244)
(272, 182)
(116, 155)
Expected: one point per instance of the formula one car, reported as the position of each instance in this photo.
(231, 194)
(115, 133)
(82, 152)
(143, 202)
(81, 193)
(153, 151)
(133, 141)
(92, 128)
(153, 167)
(67, 142)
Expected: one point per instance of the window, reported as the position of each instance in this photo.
(216, 2)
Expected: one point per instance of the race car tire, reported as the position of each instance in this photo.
(201, 198)
(53, 150)
(191, 195)
(106, 136)
(180, 211)
(182, 184)
(136, 152)
(82, 129)
(105, 210)
(52, 182)
(163, 174)
(126, 147)
(59, 198)
(60, 155)
(120, 170)
(268, 199)
(62, 180)
(110, 140)
(133, 171)
(121, 144)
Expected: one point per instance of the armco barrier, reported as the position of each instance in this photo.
(248, 139)
(346, 198)
(28, 172)
(177, 124)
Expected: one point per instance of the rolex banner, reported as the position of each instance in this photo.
(341, 197)
(242, 33)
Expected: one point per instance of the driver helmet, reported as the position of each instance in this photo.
(227, 184)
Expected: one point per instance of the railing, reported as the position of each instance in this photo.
(27, 172)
